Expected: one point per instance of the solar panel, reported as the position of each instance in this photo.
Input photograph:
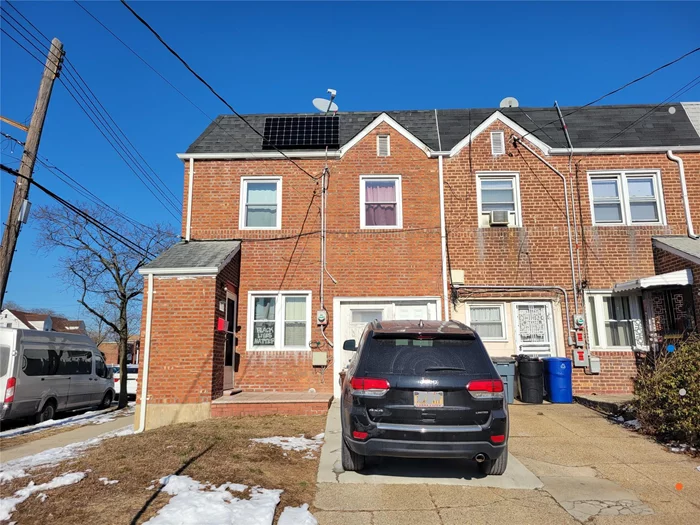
(313, 132)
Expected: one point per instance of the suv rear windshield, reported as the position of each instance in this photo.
(404, 355)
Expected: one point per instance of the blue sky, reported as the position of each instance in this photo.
(276, 57)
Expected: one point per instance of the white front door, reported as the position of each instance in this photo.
(534, 333)
(230, 346)
(354, 318)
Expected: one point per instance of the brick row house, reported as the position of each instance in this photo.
(546, 245)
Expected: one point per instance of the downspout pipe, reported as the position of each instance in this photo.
(146, 356)
(568, 218)
(188, 228)
(684, 192)
(558, 288)
(443, 239)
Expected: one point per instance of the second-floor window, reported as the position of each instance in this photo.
(626, 198)
(380, 202)
(498, 199)
(261, 203)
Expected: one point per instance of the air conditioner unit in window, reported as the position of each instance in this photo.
(499, 218)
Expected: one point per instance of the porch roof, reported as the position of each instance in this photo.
(679, 278)
(680, 245)
(193, 257)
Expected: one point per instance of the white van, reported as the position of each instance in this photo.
(42, 373)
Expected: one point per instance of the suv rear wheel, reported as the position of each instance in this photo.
(495, 467)
(351, 461)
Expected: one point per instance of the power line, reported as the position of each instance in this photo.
(169, 83)
(216, 94)
(687, 87)
(72, 207)
(579, 108)
(91, 110)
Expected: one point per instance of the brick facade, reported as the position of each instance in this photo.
(187, 352)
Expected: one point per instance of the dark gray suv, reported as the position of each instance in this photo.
(423, 389)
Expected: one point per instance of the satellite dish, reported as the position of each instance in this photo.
(325, 105)
(509, 102)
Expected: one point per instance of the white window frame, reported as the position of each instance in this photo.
(502, 139)
(495, 175)
(279, 320)
(501, 307)
(388, 145)
(242, 205)
(621, 177)
(399, 198)
(636, 312)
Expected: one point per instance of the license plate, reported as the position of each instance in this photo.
(428, 399)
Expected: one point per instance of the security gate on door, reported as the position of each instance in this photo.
(534, 334)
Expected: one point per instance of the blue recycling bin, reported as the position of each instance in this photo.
(557, 379)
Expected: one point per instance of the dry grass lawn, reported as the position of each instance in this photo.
(216, 451)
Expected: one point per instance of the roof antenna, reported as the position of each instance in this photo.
(324, 105)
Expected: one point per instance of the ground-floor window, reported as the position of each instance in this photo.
(488, 320)
(615, 321)
(279, 320)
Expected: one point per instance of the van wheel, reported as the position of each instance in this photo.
(107, 400)
(495, 467)
(351, 461)
(48, 412)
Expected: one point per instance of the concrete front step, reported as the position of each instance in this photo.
(607, 403)
(269, 403)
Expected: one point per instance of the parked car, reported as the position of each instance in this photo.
(423, 389)
(132, 373)
(42, 373)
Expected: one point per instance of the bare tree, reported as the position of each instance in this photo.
(102, 268)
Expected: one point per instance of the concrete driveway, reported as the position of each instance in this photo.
(568, 464)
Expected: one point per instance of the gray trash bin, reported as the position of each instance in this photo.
(505, 366)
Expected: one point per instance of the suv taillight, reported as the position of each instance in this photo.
(10, 390)
(486, 388)
(369, 387)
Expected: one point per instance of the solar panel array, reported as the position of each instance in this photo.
(313, 132)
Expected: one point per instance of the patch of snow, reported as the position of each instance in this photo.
(93, 417)
(175, 485)
(633, 424)
(297, 516)
(8, 505)
(194, 503)
(697, 468)
(235, 487)
(7, 475)
(320, 436)
(42, 496)
(293, 443)
(150, 487)
(108, 481)
(54, 456)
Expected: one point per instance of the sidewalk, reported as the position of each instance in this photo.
(65, 438)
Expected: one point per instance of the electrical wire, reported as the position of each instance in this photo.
(209, 86)
(617, 90)
(169, 83)
(90, 105)
(133, 246)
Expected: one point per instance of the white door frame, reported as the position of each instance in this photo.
(229, 370)
(338, 302)
(550, 326)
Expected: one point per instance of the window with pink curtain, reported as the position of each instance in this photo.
(380, 203)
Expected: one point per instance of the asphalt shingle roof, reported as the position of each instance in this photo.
(681, 243)
(194, 254)
(590, 127)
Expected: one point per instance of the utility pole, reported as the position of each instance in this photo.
(31, 146)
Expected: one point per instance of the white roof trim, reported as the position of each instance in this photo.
(497, 115)
(311, 154)
(659, 243)
(679, 278)
(388, 120)
(622, 151)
